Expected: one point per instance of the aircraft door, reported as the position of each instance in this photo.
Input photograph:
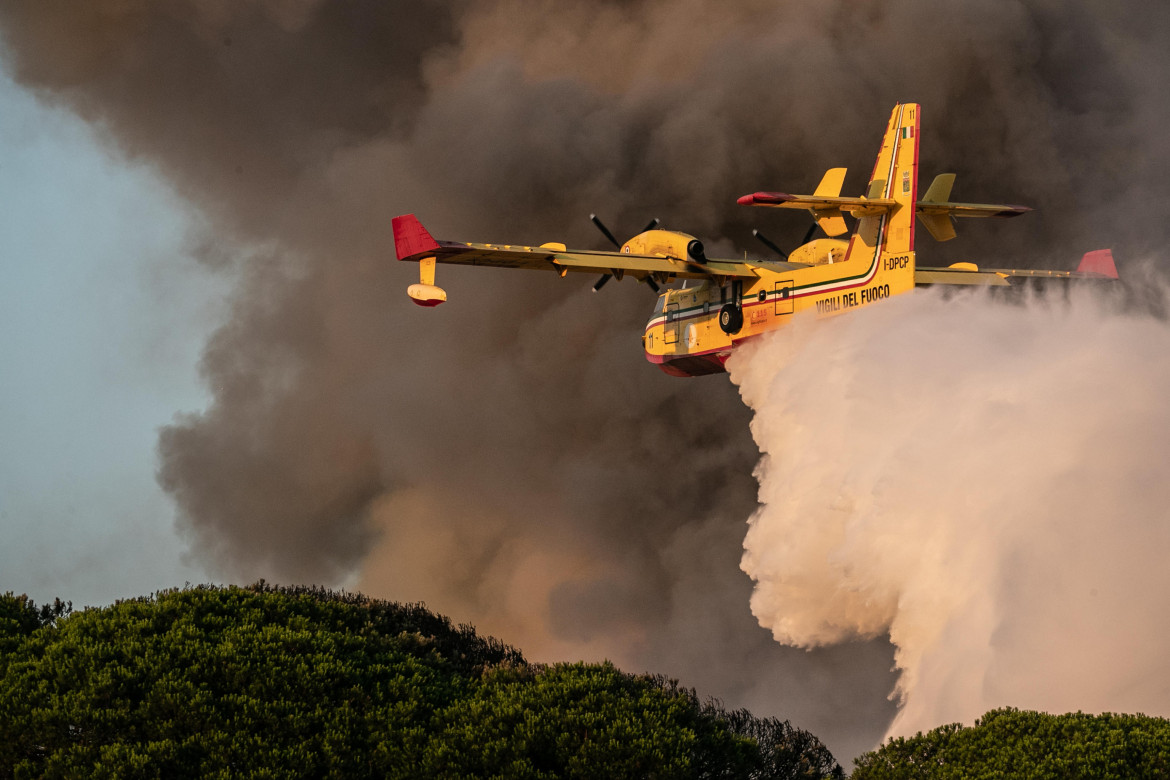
(670, 328)
(783, 297)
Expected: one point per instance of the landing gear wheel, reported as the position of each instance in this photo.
(730, 318)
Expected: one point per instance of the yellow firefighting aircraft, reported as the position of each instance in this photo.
(694, 329)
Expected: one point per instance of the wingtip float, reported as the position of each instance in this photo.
(412, 241)
(694, 329)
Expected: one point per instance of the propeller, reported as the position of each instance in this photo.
(808, 236)
(605, 232)
(769, 243)
(772, 245)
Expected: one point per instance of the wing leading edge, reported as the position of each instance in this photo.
(413, 242)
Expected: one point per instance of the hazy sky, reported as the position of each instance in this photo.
(102, 316)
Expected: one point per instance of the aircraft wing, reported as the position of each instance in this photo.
(412, 242)
(1097, 265)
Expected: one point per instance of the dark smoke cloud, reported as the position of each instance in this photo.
(510, 458)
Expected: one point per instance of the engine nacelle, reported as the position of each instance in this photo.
(663, 243)
(426, 294)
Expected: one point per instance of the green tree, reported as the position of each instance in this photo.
(1014, 743)
(266, 682)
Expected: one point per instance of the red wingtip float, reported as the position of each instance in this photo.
(1099, 262)
(413, 242)
(723, 303)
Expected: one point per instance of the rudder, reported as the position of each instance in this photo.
(886, 235)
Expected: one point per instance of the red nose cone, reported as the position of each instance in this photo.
(746, 200)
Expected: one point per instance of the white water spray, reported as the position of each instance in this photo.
(987, 482)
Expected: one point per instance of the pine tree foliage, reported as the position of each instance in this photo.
(266, 682)
(1024, 744)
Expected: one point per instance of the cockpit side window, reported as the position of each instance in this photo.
(661, 304)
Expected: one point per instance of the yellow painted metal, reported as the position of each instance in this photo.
(830, 219)
(820, 252)
(426, 271)
(940, 189)
(958, 276)
(831, 183)
(939, 226)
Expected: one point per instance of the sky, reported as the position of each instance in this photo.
(102, 317)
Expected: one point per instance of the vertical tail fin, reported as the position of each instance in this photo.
(886, 236)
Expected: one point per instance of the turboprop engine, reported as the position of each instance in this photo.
(667, 243)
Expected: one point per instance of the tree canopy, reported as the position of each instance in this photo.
(266, 682)
(1024, 744)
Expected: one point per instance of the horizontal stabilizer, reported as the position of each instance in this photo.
(934, 210)
(970, 209)
(816, 203)
(1099, 263)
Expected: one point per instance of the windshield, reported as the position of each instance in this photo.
(661, 304)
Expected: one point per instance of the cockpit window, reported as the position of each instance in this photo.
(661, 304)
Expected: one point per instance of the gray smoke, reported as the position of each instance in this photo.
(510, 458)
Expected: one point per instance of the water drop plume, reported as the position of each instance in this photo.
(985, 482)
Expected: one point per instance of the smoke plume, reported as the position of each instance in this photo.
(984, 482)
(509, 457)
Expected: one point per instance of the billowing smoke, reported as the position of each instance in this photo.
(509, 457)
(984, 482)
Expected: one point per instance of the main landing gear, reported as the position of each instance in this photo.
(731, 313)
(730, 318)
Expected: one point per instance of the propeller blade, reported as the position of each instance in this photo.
(604, 231)
(768, 243)
(601, 282)
(651, 225)
(808, 236)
